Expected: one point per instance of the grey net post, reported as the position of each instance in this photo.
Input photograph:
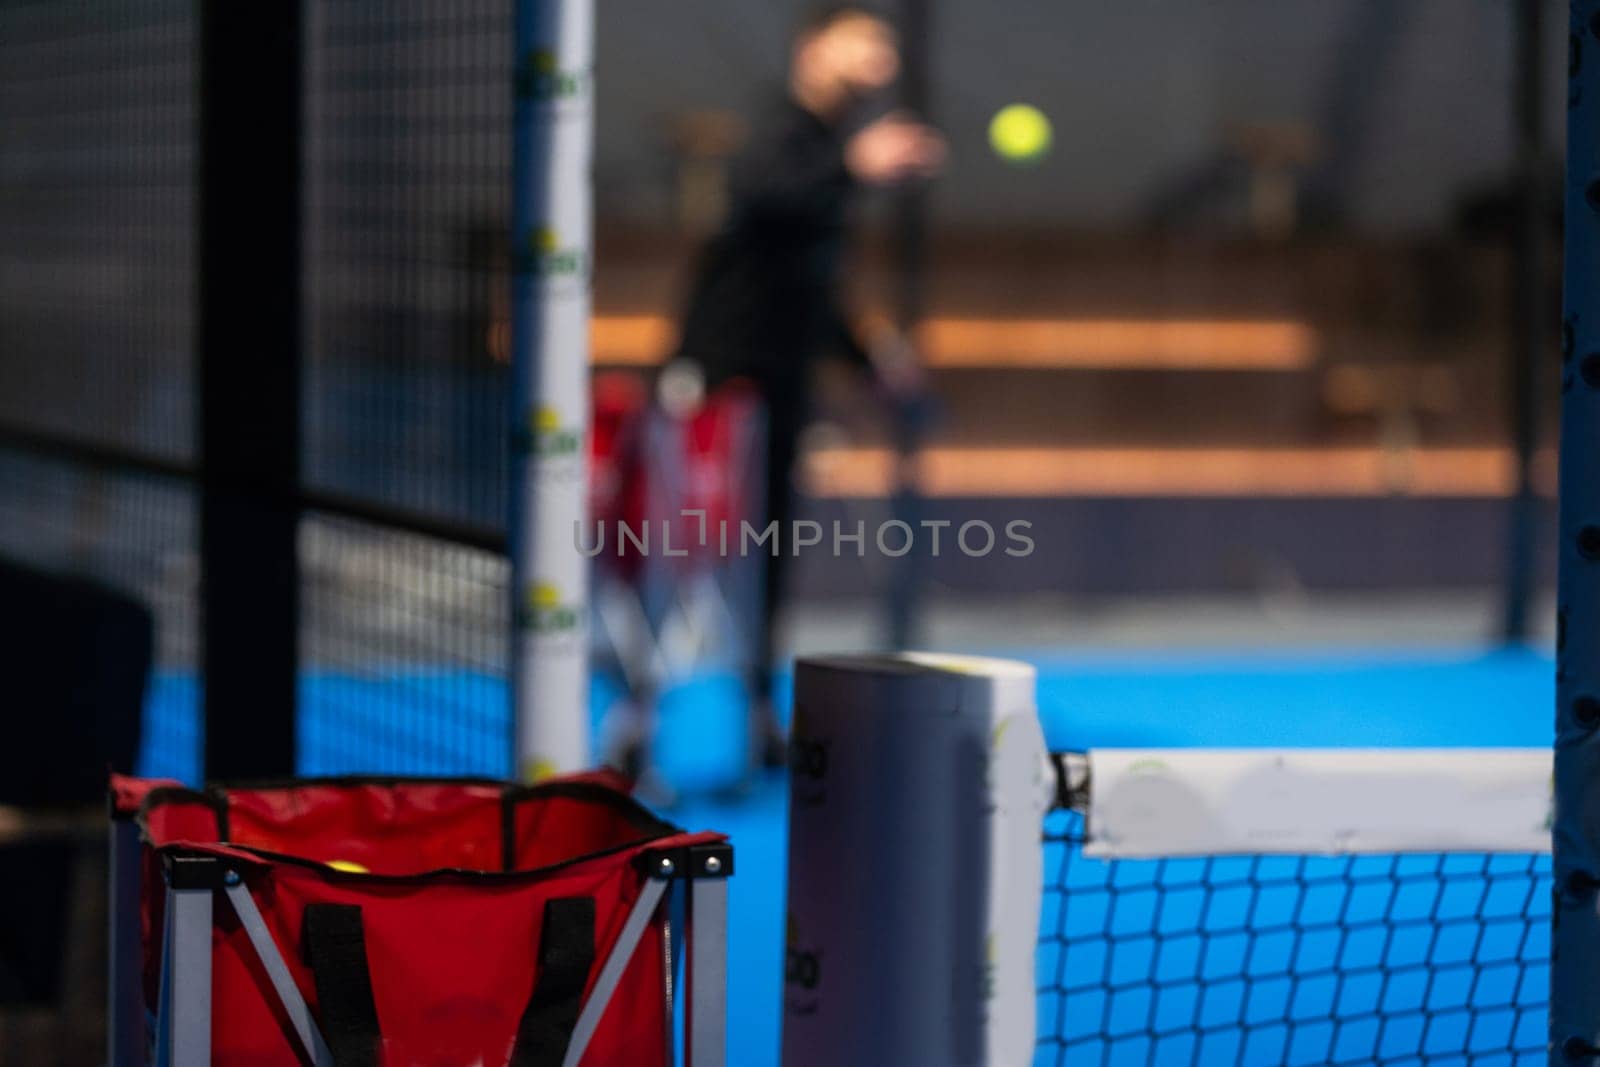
(1575, 967)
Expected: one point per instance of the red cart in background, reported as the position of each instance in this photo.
(672, 487)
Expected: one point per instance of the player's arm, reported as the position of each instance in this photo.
(893, 149)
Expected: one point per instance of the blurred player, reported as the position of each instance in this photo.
(764, 304)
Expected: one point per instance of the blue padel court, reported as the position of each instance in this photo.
(1223, 960)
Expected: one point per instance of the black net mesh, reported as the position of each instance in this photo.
(407, 199)
(97, 204)
(135, 532)
(1389, 959)
(407, 167)
(405, 640)
(97, 210)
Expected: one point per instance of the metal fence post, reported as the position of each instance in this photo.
(1575, 965)
(249, 350)
(1529, 332)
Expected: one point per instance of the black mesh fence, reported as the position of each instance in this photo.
(405, 640)
(97, 210)
(1360, 959)
(97, 203)
(407, 200)
(135, 532)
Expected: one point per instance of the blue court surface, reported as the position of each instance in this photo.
(1443, 957)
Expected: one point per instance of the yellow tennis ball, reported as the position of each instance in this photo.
(1019, 133)
(348, 867)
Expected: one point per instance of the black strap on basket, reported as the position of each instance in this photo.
(335, 949)
(566, 954)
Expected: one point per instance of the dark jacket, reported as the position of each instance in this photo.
(764, 303)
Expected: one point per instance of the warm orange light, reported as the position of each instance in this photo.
(1177, 472)
(630, 340)
(1145, 344)
(1041, 343)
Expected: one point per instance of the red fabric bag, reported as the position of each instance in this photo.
(426, 923)
(720, 464)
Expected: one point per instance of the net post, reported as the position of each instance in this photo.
(1575, 937)
(918, 785)
(551, 257)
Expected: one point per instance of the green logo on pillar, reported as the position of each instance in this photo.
(548, 437)
(541, 78)
(543, 255)
(543, 611)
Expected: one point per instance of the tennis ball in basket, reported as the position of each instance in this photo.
(1020, 133)
(348, 867)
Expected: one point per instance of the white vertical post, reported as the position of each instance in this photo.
(1575, 964)
(551, 262)
(917, 786)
